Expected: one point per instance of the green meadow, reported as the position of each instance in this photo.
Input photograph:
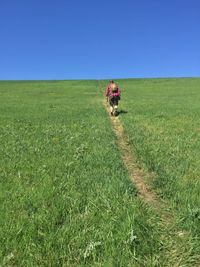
(163, 128)
(66, 198)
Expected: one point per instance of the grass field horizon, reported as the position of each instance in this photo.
(100, 79)
(66, 197)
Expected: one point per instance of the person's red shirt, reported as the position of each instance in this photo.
(110, 93)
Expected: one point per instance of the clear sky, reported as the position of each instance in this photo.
(95, 39)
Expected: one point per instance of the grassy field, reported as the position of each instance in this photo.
(66, 199)
(163, 127)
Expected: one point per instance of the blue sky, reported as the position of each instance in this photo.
(95, 39)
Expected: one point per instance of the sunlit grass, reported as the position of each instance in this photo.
(66, 199)
(162, 125)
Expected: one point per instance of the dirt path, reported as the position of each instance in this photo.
(135, 173)
(178, 241)
(179, 251)
(129, 161)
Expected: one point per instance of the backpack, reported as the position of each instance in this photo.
(113, 87)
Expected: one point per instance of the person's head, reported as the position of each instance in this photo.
(111, 81)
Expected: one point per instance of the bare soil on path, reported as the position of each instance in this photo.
(179, 250)
(135, 173)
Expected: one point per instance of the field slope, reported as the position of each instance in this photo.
(66, 197)
(162, 125)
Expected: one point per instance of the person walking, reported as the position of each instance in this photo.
(113, 95)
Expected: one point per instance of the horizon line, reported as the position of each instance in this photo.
(111, 78)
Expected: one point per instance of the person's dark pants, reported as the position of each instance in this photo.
(113, 101)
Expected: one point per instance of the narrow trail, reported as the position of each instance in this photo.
(179, 250)
(136, 174)
(129, 161)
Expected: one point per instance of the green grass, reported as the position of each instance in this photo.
(66, 199)
(163, 126)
